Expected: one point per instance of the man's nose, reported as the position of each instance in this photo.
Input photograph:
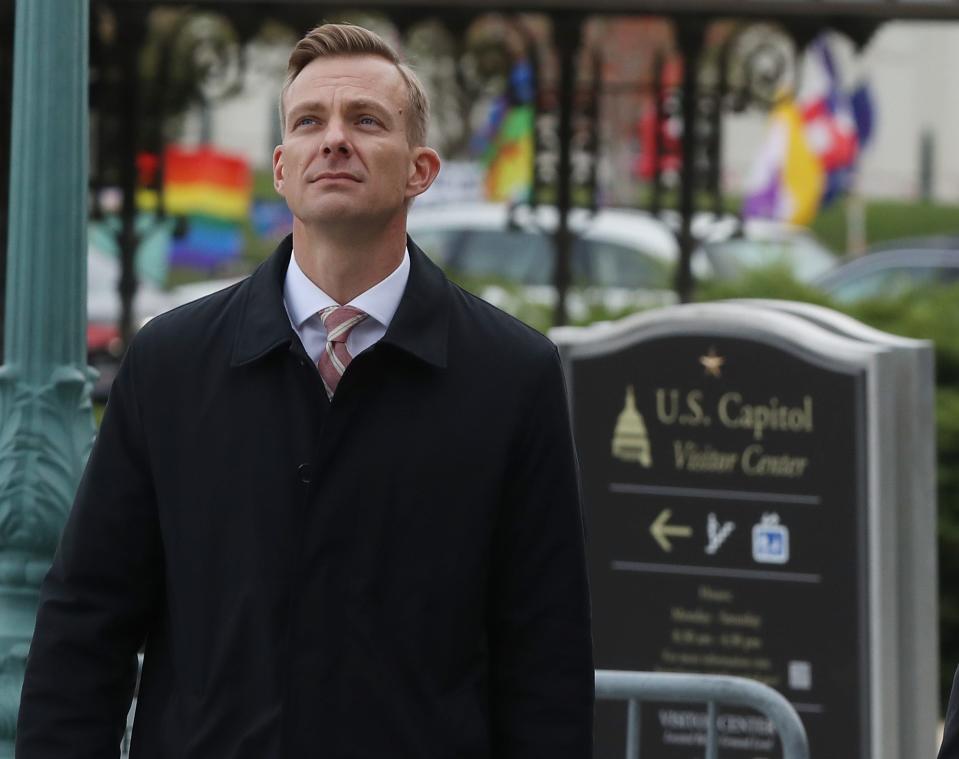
(335, 139)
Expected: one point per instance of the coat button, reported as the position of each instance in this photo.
(306, 473)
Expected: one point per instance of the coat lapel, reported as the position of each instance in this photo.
(264, 324)
(421, 323)
(419, 327)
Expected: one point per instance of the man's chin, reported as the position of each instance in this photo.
(335, 211)
(350, 215)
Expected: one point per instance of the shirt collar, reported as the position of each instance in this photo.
(304, 299)
(419, 326)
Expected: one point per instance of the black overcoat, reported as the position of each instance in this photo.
(396, 573)
(950, 730)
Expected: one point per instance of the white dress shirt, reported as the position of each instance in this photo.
(304, 301)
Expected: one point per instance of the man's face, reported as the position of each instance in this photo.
(345, 157)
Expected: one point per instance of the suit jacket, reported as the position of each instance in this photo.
(950, 730)
(396, 573)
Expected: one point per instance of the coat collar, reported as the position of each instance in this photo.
(419, 327)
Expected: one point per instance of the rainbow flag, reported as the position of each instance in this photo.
(505, 143)
(213, 191)
(509, 162)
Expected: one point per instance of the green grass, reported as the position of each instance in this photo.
(887, 220)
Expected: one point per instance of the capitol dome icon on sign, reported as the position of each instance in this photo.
(630, 439)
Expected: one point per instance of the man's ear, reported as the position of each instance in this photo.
(278, 169)
(423, 170)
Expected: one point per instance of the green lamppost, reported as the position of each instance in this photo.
(46, 420)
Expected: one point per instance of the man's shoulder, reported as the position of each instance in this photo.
(495, 334)
(197, 325)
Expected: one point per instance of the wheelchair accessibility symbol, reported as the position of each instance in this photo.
(770, 541)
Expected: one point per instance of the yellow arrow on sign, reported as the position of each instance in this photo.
(662, 531)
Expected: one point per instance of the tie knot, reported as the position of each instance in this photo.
(339, 320)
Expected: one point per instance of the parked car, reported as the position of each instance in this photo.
(621, 258)
(733, 246)
(926, 242)
(890, 273)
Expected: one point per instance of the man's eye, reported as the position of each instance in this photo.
(305, 121)
(368, 120)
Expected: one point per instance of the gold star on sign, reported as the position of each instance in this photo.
(712, 363)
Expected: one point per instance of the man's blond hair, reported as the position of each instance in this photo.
(332, 40)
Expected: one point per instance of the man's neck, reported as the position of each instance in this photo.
(345, 267)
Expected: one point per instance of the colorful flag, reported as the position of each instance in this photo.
(509, 160)
(863, 112)
(506, 144)
(661, 142)
(787, 179)
(829, 122)
(661, 132)
(212, 191)
(812, 147)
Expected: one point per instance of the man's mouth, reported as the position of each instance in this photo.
(335, 175)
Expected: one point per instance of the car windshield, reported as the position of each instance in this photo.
(509, 255)
(606, 264)
(804, 257)
(524, 257)
(886, 282)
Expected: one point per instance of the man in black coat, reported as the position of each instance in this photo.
(336, 504)
(950, 730)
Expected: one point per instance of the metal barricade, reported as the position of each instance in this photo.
(712, 690)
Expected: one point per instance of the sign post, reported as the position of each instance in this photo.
(744, 517)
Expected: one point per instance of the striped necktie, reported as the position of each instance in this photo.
(338, 320)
